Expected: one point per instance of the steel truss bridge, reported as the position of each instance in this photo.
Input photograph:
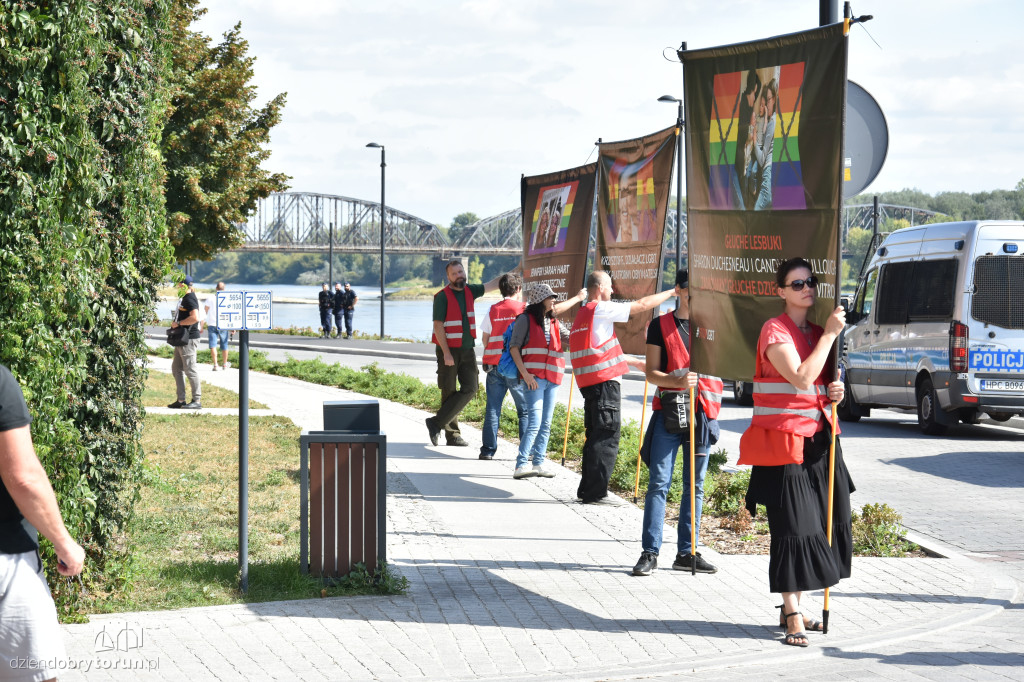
(303, 222)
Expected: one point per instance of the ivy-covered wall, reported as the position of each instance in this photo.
(82, 246)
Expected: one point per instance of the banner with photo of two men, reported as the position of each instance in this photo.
(632, 181)
(764, 135)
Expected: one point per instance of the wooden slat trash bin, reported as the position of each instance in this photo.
(343, 491)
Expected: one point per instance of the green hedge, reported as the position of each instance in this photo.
(82, 247)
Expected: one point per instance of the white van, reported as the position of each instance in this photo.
(938, 324)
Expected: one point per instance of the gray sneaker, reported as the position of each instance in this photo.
(648, 562)
(682, 563)
(194, 405)
(523, 472)
(543, 470)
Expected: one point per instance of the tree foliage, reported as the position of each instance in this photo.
(82, 246)
(1000, 204)
(214, 139)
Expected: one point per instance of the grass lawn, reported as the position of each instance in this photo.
(160, 391)
(185, 530)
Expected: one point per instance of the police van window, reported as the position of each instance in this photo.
(932, 290)
(893, 302)
(999, 291)
(866, 295)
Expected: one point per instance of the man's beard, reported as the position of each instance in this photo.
(459, 282)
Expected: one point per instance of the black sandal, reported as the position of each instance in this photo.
(810, 624)
(792, 637)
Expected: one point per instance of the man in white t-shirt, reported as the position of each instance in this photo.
(597, 363)
(218, 337)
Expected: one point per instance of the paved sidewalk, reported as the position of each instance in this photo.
(515, 580)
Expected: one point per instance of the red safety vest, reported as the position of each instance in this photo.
(782, 406)
(709, 389)
(453, 318)
(544, 359)
(502, 314)
(592, 365)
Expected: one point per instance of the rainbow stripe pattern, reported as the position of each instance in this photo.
(787, 180)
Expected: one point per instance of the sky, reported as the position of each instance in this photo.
(469, 96)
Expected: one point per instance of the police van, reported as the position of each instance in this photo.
(937, 324)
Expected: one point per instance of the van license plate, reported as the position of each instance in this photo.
(992, 385)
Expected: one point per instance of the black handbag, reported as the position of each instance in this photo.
(177, 336)
(674, 411)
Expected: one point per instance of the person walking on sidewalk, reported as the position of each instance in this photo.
(218, 337)
(184, 363)
(597, 364)
(492, 332)
(454, 335)
(326, 303)
(668, 368)
(29, 630)
(788, 444)
(536, 347)
(344, 308)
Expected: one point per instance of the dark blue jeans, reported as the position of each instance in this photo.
(664, 447)
(497, 386)
(325, 320)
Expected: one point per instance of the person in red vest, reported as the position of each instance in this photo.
(455, 335)
(492, 330)
(788, 445)
(668, 368)
(597, 364)
(536, 347)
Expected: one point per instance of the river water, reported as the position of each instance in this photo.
(402, 319)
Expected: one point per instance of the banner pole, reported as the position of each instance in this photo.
(693, 488)
(828, 522)
(568, 414)
(847, 14)
(643, 410)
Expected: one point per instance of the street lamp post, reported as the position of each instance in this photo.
(679, 177)
(382, 167)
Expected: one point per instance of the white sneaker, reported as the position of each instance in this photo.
(524, 472)
(543, 471)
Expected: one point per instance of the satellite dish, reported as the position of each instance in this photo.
(866, 142)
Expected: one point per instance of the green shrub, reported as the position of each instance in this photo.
(878, 531)
(724, 493)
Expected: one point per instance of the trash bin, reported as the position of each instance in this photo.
(343, 490)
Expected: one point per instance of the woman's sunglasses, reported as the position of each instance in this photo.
(798, 284)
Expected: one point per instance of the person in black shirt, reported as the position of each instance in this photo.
(344, 307)
(184, 363)
(668, 368)
(326, 302)
(28, 619)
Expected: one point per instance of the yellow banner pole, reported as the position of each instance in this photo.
(568, 413)
(643, 410)
(828, 523)
(693, 487)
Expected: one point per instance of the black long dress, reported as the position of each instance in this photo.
(796, 499)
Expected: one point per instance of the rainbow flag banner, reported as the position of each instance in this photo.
(764, 152)
(555, 236)
(754, 139)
